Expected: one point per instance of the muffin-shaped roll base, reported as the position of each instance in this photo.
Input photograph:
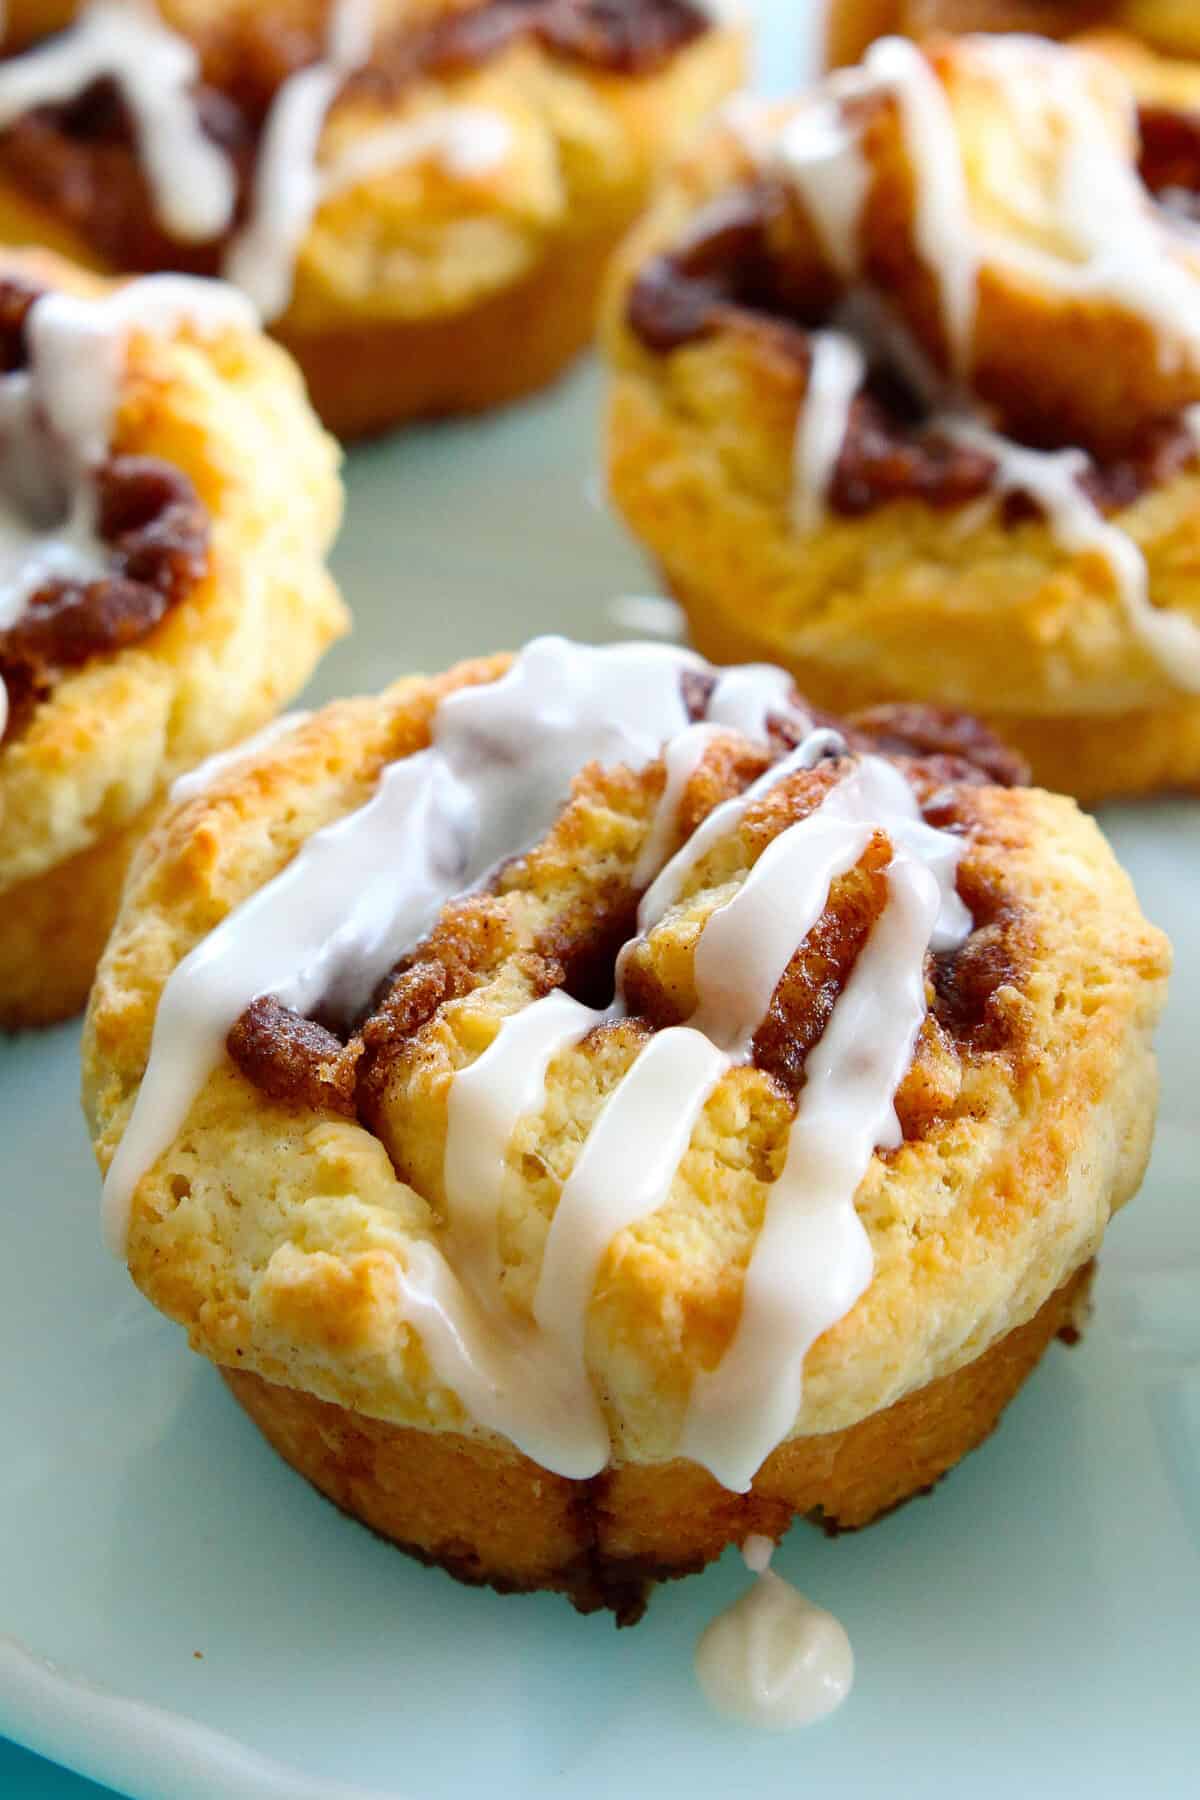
(488, 1515)
(204, 605)
(363, 380)
(56, 926)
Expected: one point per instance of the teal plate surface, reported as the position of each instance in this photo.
(1032, 1628)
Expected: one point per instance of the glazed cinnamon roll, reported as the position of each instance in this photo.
(166, 500)
(420, 199)
(592, 1107)
(906, 379)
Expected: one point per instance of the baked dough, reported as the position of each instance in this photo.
(291, 1217)
(422, 200)
(109, 700)
(1005, 518)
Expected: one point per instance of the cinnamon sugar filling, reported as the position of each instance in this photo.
(156, 532)
(80, 159)
(727, 276)
(324, 1064)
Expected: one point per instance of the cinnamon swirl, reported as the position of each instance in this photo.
(592, 1108)
(166, 499)
(906, 385)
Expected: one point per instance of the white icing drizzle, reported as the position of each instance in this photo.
(289, 183)
(56, 420)
(836, 372)
(812, 1258)
(1115, 247)
(191, 179)
(205, 774)
(822, 159)
(337, 918)
(819, 153)
(943, 226)
(681, 758)
(1052, 479)
(774, 1660)
(340, 914)
(623, 1173)
(286, 190)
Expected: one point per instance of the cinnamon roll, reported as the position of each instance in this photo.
(906, 390)
(592, 1107)
(166, 500)
(420, 198)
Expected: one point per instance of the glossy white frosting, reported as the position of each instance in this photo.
(56, 420)
(193, 181)
(1113, 245)
(773, 1660)
(364, 890)
(191, 178)
(1052, 479)
(836, 374)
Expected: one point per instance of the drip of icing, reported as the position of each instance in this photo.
(746, 696)
(812, 1258)
(836, 372)
(1052, 479)
(669, 883)
(56, 420)
(819, 153)
(192, 180)
(501, 761)
(286, 190)
(681, 757)
(186, 787)
(77, 348)
(290, 185)
(1117, 246)
(943, 226)
(821, 157)
(773, 1659)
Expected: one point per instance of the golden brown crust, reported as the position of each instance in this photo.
(489, 1515)
(918, 580)
(273, 1231)
(1123, 755)
(365, 379)
(55, 926)
(95, 757)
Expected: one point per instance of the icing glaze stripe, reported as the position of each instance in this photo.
(499, 766)
(57, 416)
(192, 180)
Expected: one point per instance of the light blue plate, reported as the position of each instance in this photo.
(1033, 1628)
